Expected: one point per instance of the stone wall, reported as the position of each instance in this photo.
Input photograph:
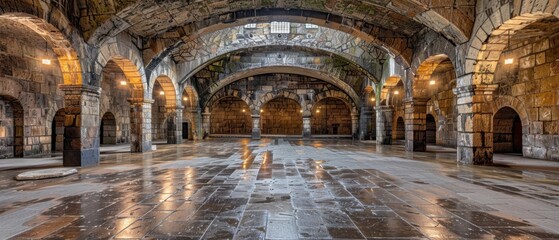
(114, 99)
(158, 114)
(331, 116)
(282, 116)
(533, 79)
(230, 116)
(29, 83)
(7, 130)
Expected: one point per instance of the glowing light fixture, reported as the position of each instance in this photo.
(244, 110)
(432, 82)
(185, 99)
(161, 93)
(396, 92)
(509, 58)
(261, 110)
(373, 99)
(123, 83)
(46, 61)
(301, 111)
(318, 111)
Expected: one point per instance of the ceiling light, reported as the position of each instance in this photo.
(46, 61)
(123, 83)
(161, 93)
(432, 82)
(396, 92)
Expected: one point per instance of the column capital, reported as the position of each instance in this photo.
(78, 89)
(481, 89)
(416, 101)
(140, 100)
(384, 108)
(255, 116)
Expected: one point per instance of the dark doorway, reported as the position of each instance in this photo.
(400, 129)
(108, 129)
(431, 129)
(507, 131)
(184, 130)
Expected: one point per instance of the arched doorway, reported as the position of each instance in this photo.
(331, 116)
(431, 129)
(282, 116)
(400, 129)
(108, 129)
(230, 115)
(11, 128)
(507, 131)
(57, 131)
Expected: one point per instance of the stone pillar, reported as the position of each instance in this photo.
(416, 128)
(354, 124)
(475, 119)
(384, 124)
(82, 124)
(197, 124)
(307, 126)
(364, 122)
(174, 125)
(206, 121)
(140, 125)
(256, 134)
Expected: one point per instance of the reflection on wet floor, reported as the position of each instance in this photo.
(282, 189)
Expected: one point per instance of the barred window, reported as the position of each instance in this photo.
(308, 25)
(280, 27)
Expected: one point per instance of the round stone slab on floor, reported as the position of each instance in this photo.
(46, 173)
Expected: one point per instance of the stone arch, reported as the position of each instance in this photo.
(170, 90)
(227, 93)
(324, 76)
(285, 118)
(492, 38)
(507, 131)
(338, 95)
(128, 59)
(230, 115)
(425, 70)
(65, 41)
(269, 96)
(193, 101)
(515, 104)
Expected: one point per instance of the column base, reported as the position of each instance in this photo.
(81, 158)
(256, 134)
(475, 156)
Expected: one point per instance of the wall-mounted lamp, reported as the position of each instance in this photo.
(46, 61)
(373, 99)
(123, 83)
(185, 99)
(509, 58)
(396, 92)
(161, 93)
(244, 110)
(432, 82)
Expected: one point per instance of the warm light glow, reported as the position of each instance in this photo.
(261, 110)
(123, 83)
(301, 111)
(161, 93)
(46, 61)
(373, 99)
(432, 82)
(396, 92)
(185, 99)
(244, 110)
(317, 111)
(509, 61)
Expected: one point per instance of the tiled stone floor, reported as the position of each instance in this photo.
(280, 189)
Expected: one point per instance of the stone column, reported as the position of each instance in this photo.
(384, 124)
(364, 122)
(256, 134)
(174, 125)
(82, 124)
(197, 124)
(416, 129)
(307, 127)
(140, 125)
(475, 119)
(206, 121)
(354, 124)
